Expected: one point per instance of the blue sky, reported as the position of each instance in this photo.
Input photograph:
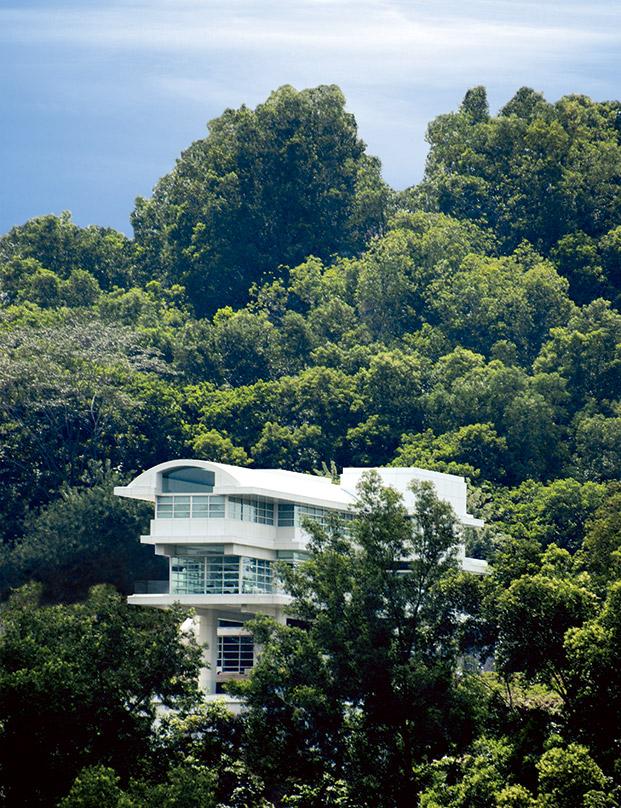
(100, 96)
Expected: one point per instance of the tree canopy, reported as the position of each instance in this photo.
(279, 305)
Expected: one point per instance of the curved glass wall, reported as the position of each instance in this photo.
(187, 480)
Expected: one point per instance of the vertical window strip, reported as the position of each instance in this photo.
(286, 514)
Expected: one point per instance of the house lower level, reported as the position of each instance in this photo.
(222, 529)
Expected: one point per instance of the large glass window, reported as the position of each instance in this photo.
(187, 576)
(222, 576)
(187, 480)
(256, 575)
(252, 509)
(197, 506)
(292, 515)
(235, 654)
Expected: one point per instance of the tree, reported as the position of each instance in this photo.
(467, 391)
(585, 353)
(592, 650)
(533, 615)
(368, 688)
(243, 346)
(526, 103)
(397, 277)
(267, 187)
(474, 450)
(96, 787)
(537, 171)
(577, 258)
(65, 399)
(489, 300)
(295, 448)
(392, 389)
(62, 247)
(602, 540)
(610, 250)
(85, 537)
(475, 104)
(384, 293)
(481, 779)
(78, 686)
(597, 454)
(212, 445)
(570, 777)
(80, 289)
(557, 512)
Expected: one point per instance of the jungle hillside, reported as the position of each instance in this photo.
(280, 306)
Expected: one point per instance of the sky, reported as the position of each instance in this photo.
(99, 97)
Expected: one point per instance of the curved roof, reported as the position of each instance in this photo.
(305, 488)
(274, 483)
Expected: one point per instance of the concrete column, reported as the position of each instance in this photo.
(208, 634)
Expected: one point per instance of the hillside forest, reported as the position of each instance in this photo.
(280, 306)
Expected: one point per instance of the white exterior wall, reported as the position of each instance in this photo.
(447, 486)
(261, 541)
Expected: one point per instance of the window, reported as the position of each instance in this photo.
(286, 515)
(222, 575)
(187, 576)
(252, 509)
(292, 556)
(256, 575)
(207, 507)
(188, 480)
(235, 654)
(197, 506)
(292, 515)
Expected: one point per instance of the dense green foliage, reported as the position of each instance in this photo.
(280, 306)
(77, 685)
(267, 187)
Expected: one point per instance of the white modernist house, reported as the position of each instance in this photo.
(223, 527)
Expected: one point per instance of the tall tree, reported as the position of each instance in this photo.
(369, 688)
(536, 171)
(85, 537)
(267, 187)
